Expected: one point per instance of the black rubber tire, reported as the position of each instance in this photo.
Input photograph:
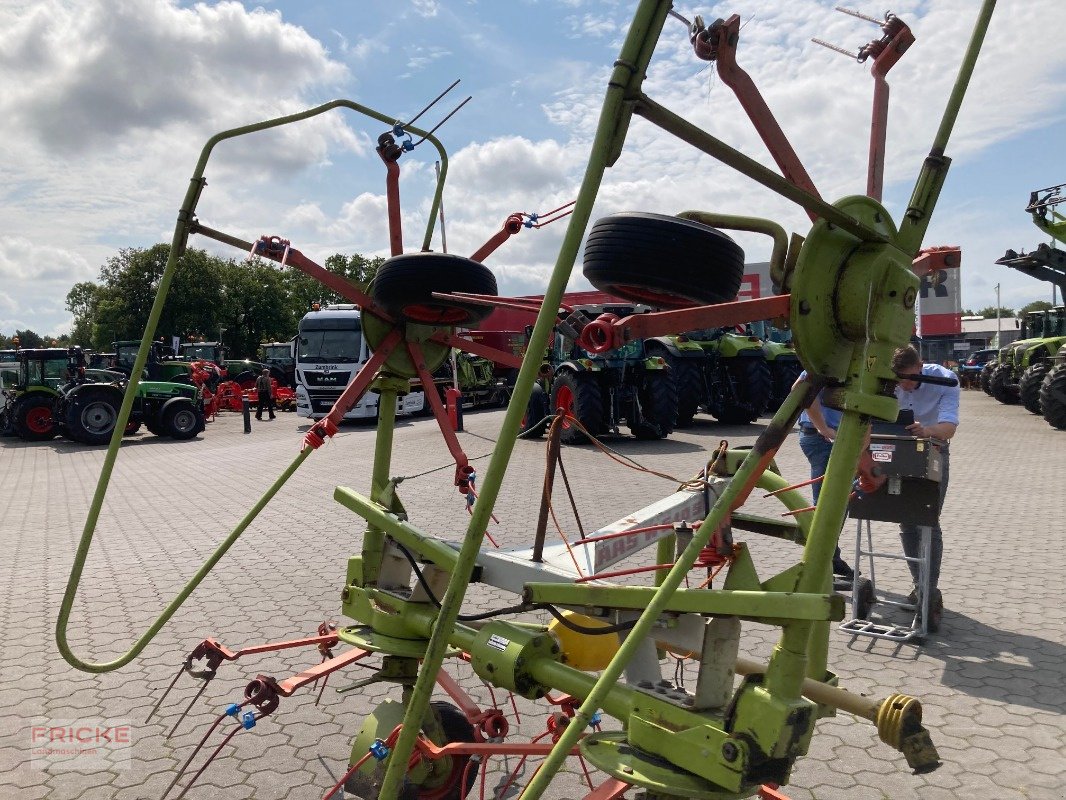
(154, 428)
(1053, 397)
(1000, 385)
(368, 787)
(751, 376)
(91, 415)
(658, 402)
(586, 405)
(662, 261)
(866, 599)
(986, 378)
(182, 421)
(456, 729)
(535, 421)
(782, 375)
(246, 376)
(688, 378)
(404, 284)
(1029, 386)
(27, 409)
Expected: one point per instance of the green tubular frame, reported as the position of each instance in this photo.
(186, 216)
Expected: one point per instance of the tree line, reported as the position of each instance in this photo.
(246, 302)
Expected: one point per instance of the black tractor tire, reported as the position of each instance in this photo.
(986, 378)
(404, 286)
(1001, 387)
(658, 406)
(782, 375)
(154, 427)
(181, 421)
(579, 396)
(1053, 397)
(455, 727)
(7, 428)
(662, 261)
(751, 377)
(1029, 386)
(535, 421)
(688, 378)
(91, 415)
(33, 417)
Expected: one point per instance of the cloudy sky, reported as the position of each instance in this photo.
(108, 102)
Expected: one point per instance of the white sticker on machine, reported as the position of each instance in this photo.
(881, 455)
(498, 642)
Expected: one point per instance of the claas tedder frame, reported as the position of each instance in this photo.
(847, 289)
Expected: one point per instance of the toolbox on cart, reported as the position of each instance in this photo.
(914, 467)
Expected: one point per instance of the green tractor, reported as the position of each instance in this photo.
(1002, 383)
(1053, 392)
(162, 363)
(1023, 365)
(600, 391)
(780, 353)
(720, 371)
(1034, 363)
(29, 400)
(88, 412)
(478, 382)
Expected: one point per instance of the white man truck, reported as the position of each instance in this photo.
(330, 351)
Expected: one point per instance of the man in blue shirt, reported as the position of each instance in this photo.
(936, 415)
(818, 427)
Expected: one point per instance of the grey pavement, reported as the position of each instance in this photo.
(993, 681)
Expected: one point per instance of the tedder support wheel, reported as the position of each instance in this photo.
(662, 261)
(32, 417)
(404, 287)
(1053, 397)
(450, 786)
(182, 420)
(1000, 386)
(535, 421)
(579, 398)
(1029, 386)
(92, 415)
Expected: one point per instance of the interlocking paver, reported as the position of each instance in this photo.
(991, 682)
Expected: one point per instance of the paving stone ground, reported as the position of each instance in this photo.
(993, 681)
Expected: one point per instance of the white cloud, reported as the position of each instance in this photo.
(108, 103)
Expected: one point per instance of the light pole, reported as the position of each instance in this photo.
(999, 321)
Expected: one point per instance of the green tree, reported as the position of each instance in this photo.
(990, 312)
(82, 301)
(1036, 305)
(29, 339)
